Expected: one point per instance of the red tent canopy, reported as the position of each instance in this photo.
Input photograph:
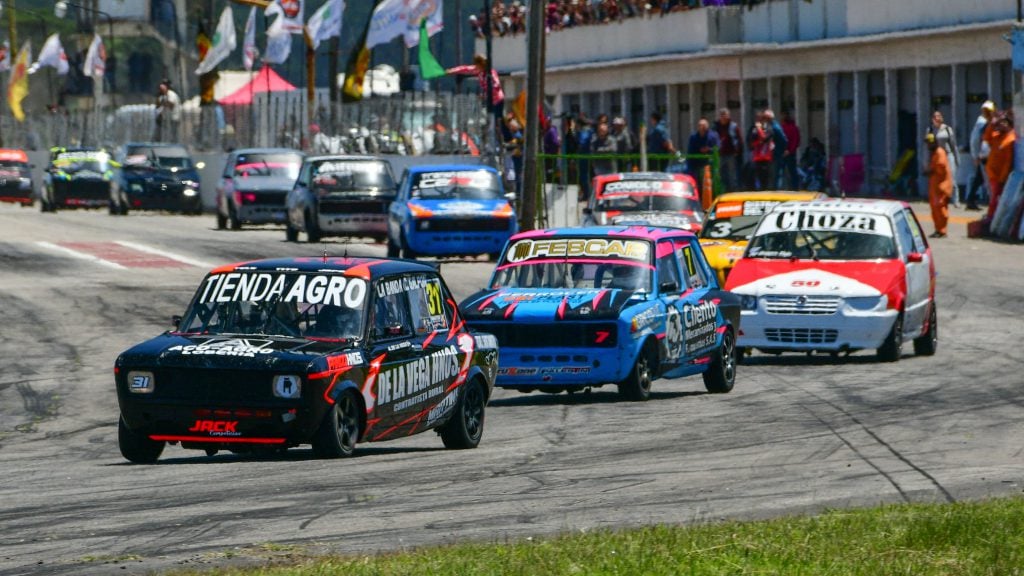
(265, 81)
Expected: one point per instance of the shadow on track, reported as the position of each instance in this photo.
(608, 396)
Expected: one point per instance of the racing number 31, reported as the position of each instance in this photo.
(434, 301)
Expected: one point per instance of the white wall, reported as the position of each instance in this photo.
(875, 16)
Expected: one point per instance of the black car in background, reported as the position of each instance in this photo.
(254, 185)
(272, 354)
(341, 195)
(153, 176)
(79, 177)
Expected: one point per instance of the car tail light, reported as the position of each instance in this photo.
(249, 198)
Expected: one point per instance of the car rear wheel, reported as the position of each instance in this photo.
(393, 249)
(135, 447)
(291, 233)
(721, 373)
(926, 344)
(892, 348)
(637, 385)
(339, 431)
(114, 208)
(465, 428)
(222, 220)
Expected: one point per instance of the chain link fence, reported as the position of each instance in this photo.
(407, 124)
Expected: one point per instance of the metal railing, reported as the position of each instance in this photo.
(410, 124)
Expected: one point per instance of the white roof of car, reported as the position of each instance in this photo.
(863, 205)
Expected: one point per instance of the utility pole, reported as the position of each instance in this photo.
(534, 94)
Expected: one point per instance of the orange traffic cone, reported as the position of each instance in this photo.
(705, 195)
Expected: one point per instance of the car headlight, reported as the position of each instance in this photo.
(287, 386)
(867, 303)
(748, 302)
(189, 192)
(140, 382)
(190, 183)
(423, 224)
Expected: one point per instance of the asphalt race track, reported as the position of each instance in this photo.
(797, 434)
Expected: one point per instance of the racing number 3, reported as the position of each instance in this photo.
(434, 302)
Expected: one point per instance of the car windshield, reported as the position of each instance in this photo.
(352, 176)
(647, 196)
(576, 263)
(172, 161)
(808, 234)
(464, 184)
(13, 164)
(166, 157)
(79, 161)
(268, 165)
(328, 307)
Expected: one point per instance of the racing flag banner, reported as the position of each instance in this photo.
(358, 64)
(17, 86)
(291, 14)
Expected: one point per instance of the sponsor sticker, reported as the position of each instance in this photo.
(413, 382)
(790, 220)
(579, 248)
(701, 323)
(465, 178)
(336, 290)
(239, 347)
(628, 186)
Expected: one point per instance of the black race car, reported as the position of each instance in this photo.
(324, 351)
(76, 178)
(155, 177)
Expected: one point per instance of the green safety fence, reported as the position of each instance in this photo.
(580, 169)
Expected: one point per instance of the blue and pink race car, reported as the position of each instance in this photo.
(582, 307)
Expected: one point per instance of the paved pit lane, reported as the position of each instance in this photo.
(797, 434)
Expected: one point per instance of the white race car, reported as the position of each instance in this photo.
(837, 276)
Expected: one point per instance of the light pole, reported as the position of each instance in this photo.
(60, 10)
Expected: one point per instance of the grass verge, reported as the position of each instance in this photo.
(961, 539)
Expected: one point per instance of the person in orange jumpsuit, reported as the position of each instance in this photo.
(940, 185)
(1000, 138)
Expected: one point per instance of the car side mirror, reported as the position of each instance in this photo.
(915, 257)
(668, 287)
(176, 321)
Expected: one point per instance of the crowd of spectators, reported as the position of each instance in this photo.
(509, 18)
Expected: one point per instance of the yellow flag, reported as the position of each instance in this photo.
(17, 87)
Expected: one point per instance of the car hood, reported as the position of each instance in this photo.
(842, 278)
(722, 253)
(245, 352)
(264, 184)
(458, 207)
(546, 304)
(679, 220)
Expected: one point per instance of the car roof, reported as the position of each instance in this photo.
(367, 268)
(240, 151)
(638, 231)
(865, 205)
(345, 157)
(769, 196)
(449, 168)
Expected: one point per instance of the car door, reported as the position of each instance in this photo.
(917, 261)
(393, 350)
(699, 315)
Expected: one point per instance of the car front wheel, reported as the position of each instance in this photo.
(339, 431)
(637, 385)
(135, 447)
(892, 348)
(466, 426)
(312, 229)
(721, 373)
